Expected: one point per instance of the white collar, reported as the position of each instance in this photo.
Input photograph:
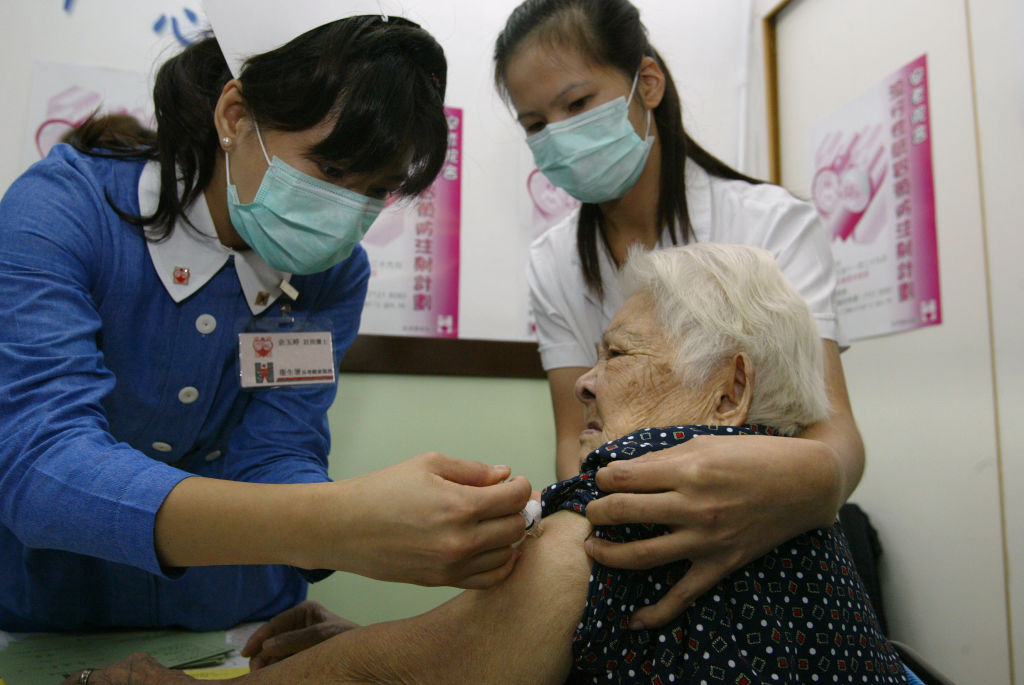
(202, 254)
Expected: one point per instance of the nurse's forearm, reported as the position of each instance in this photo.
(839, 431)
(205, 522)
(413, 522)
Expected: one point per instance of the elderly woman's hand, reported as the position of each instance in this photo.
(727, 501)
(138, 669)
(292, 631)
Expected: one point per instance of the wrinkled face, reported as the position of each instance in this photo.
(634, 383)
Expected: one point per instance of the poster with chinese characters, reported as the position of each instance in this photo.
(414, 256)
(873, 189)
(65, 95)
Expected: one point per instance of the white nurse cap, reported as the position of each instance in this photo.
(245, 28)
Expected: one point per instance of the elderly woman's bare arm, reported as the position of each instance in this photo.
(517, 632)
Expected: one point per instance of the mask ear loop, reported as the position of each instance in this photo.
(632, 88)
(647, 133)
(227, 157)
(260, 138)
(632, 92)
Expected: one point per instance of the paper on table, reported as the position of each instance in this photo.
(216, 673)
(47, 659)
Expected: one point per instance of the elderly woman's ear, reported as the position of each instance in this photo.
(734, 388)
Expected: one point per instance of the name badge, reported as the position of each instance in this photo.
(276, 359)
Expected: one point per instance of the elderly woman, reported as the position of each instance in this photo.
(712, 341)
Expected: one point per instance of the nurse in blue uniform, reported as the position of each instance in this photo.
(140, 485)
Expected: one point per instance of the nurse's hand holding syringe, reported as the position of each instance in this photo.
(429, 520)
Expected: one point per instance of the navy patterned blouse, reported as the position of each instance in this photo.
(799, 614)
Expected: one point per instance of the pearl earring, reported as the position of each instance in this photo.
(225, 142)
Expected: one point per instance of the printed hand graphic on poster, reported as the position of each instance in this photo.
(850, 172)
(550, 203)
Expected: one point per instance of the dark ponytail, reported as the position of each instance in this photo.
(114, 133)
(185, 93)
(609, 32)
(384, 80)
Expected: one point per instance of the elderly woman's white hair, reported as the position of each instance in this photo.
(720, 300)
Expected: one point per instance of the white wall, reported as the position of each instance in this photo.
(924, 400)
(700, 39)
(998, 48)
(99, 33)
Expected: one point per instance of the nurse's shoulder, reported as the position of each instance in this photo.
(762, 214)
(554, 258)
(68, 199)
(557, 242)
(85, 171)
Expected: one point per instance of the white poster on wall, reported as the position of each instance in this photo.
(414, 250)
(65, 95)
(874, 191)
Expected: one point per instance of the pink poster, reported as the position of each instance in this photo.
(414, 256)
(873, 189)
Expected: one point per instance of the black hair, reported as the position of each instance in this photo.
(609, 32)
(383, 79)
(113, 133)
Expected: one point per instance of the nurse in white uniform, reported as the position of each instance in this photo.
(603, 120)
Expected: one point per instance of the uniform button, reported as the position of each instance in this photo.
(162, 447)
(213, 456)
(188, 395)
(206, 324)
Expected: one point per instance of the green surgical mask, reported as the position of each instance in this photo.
(297, 223)
(595, 156)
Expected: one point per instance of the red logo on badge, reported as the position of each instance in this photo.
(181, 275)
(263, 346)
(265, 372)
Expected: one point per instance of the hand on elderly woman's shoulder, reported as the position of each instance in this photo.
(727, 500)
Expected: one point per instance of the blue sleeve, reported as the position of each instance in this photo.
(65, 482)
(284, 435)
